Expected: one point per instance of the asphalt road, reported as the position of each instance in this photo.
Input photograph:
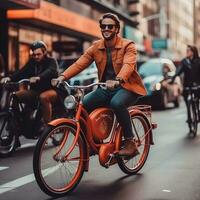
(172, 170)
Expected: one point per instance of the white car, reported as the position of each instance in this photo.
(156, 74)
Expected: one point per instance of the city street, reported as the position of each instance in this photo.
(172, 171)
(136, 48)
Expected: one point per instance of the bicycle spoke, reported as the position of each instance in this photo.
(141, 131)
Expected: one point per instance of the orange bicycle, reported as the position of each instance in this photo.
(59, 169)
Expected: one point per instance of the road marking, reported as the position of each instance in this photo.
(2, 168)
(16, 183)
(166, 191)
(28, 145)
(25, 180)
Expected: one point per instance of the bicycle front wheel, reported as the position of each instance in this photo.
(142, 137)
(7, 135)
(55, 175)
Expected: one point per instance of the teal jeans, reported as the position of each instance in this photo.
(118, 100)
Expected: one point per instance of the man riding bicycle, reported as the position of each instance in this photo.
(40, 69)
(115, 58)
(190, 68)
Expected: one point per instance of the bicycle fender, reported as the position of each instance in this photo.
(74, 123)
(149, 125)
(62, 120)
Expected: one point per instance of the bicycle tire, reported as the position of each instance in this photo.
(7, 138)
(140, 159)
(193, 122)
(43, 181)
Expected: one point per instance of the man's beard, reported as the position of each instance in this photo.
(41, 60)
(111, 36)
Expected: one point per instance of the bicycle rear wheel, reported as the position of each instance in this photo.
(140, 129)
(193, 122)
(54, 175)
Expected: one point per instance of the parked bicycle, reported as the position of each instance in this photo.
(59, 169)
(18, 119)
(193, 108)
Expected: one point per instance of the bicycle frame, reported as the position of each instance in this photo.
(17, 108)
(86, 135)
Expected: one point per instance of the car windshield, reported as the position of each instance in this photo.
(150, 68)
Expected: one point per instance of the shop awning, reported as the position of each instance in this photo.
(59, 19)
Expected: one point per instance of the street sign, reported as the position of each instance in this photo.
(159, 44)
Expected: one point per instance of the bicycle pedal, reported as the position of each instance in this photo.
(131, 156)
(108, 163)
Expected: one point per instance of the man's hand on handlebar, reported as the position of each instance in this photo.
(34, 79)
(171, 81)
(111, 84)
(5, 79)
(56, 81)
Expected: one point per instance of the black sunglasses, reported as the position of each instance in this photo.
(110, 26)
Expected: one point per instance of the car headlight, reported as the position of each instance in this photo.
(157, 86)
(70, 102)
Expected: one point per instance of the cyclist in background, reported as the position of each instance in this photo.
(190, 68)
(40, 69)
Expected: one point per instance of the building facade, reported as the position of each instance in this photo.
(64, 31)
(181, 26)
(70, 26)
(197, 24)
(67, 26)
(5, 5)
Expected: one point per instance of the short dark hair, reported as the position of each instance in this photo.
(37, 45)
(113, 17)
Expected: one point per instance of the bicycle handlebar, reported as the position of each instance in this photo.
(9, 83)
(82, 86)
(193, 87)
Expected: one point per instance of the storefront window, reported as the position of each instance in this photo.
(23, 54)
(47, 38)
(12, 58)
(12, 48)
(60, 46)
(57, 2)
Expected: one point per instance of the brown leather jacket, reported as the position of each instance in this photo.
(124, 63)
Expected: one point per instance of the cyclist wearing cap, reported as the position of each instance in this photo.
(115, 58)
(40, 69)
